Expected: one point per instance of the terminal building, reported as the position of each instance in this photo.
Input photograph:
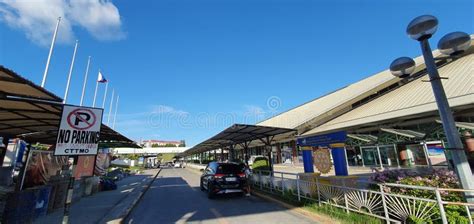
(390, 122)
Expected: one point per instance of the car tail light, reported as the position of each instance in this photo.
(241, 174)
(218, 176)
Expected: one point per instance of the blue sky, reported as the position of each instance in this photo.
(186, 69)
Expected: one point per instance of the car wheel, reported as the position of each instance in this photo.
(200, 185)
(210, 193)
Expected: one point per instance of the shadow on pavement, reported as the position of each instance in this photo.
(175, 200)
(93, 208)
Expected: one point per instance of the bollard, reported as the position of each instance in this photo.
(68, 200)
(298, 186)
(282, 185)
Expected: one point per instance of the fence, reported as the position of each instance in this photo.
(373, 199)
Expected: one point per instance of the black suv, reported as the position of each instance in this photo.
(222, 178)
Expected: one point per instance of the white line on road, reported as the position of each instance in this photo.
(185, 218)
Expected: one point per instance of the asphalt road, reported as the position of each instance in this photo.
(175, 197)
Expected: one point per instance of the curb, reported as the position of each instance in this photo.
(118, 217)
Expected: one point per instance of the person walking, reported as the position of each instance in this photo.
(248, 174)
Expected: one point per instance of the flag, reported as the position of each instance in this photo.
(101, 78)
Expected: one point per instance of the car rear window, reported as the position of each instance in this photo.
(230, 168)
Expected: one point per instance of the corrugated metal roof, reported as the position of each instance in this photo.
(333, 103)
(412, 98)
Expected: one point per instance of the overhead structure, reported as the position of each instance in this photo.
(239, 134)
(26, 107)
(13, 85)
(464, 125)
(413, 100)
(32, 113)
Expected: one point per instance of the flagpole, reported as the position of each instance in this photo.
(70, 72)
(105, 94)
(95, 92)
(111, 107)
(50, 53)
(85, 81)
(115, 113)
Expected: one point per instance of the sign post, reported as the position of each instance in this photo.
(78, 134)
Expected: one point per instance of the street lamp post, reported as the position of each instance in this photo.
(421, 29)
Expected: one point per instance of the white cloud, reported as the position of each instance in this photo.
(254, 110)
(37, 18)
(163, 109)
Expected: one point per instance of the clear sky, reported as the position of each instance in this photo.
(186, 69)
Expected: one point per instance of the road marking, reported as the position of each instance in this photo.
(185, 217)
(220, 218)
(173, 185)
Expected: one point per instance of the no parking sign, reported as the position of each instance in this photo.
(79, 131)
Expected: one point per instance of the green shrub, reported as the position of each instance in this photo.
(261, 164)
(454, 216)
(343, 216)
(441, 178)
(415, 220)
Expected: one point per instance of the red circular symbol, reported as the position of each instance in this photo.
(81, 119)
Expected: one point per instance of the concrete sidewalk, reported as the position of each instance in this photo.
(107, 205)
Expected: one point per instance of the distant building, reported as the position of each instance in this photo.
(162, 143)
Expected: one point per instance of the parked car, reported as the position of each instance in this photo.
(178, 165)
(223, 178)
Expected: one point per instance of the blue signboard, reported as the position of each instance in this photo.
(335, 141)
(323, 140)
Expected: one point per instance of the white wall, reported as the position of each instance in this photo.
(150, 150)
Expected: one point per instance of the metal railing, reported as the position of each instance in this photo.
(365, 197)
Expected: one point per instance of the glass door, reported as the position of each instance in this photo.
(370, 155)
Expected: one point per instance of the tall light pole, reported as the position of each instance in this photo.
(421, 29)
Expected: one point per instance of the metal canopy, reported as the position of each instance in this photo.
(236, 134)
(406, 133)
(32, 113)
(364, 138)
(109, 138)
(22, 116)
(465, 125)
(13, 85)
(26, 107)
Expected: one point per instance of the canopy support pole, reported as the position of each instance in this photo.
(268, 147)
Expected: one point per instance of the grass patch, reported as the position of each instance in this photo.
(341, 215)
(335, 213)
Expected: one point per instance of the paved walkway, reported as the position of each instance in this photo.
(94, 208)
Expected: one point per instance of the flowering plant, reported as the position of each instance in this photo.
(439, 178)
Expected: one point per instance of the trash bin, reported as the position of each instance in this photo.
(59, 196)
(42, 194)
(20, 207)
